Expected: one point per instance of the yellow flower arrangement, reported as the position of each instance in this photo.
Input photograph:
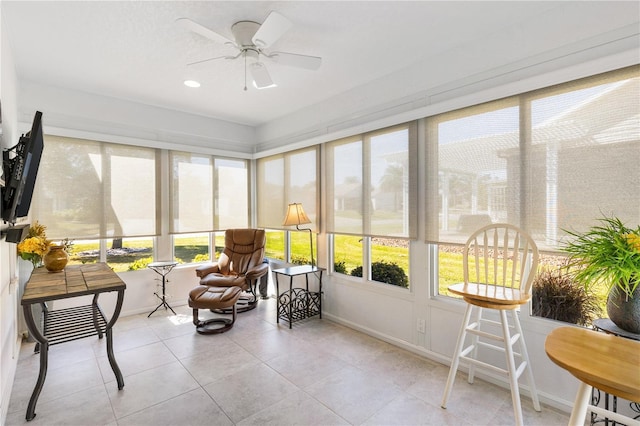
(633, 240)
(34, 247)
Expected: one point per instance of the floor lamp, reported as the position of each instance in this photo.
(296, 216)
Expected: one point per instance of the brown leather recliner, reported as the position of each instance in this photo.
(239, 265)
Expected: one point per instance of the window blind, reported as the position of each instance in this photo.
(372, 183)
(287, 178)
(207, 193)
(549, 160)
(88, 190)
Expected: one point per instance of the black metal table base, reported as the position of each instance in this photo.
(298, 304)
(163, 303)
(162, 269)
(66, 325)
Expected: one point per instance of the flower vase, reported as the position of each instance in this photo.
(36, 261)
(55, 259)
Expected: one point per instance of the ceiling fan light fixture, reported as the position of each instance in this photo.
(250, 40)
(191, 83)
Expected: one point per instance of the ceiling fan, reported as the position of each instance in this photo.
(251, 40)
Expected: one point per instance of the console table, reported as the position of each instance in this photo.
(298, 303)
(59, 326)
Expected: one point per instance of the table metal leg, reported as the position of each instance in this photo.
(112, 321)
(95, 310)
(44, 357)
(277, 299)
(290, 301)
(307, 302)
(320, 295)
(45, 323)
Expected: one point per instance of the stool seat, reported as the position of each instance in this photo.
(205, 297)
(490, 296)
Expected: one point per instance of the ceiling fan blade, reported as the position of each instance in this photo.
(295, 60)
(203, 31)
(261, 77)
(204, 61)
(271, 30)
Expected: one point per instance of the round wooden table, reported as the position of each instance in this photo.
(604, 361)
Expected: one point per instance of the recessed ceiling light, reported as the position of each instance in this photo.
(191, 83)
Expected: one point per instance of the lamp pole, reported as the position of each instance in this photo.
(310, 241)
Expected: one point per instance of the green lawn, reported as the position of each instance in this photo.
(348, 249)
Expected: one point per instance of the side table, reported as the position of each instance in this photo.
(59, 326)
(597, 360)
(607, 326)
(162, 269)
(297, 304)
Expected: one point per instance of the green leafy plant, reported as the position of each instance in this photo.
(140, 263)
(557, 296)
(607, 254)
(384, 272)
(340, 267)
(201, 258)
(68, 245)
(299, 260)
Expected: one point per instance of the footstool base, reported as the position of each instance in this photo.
(205, 297)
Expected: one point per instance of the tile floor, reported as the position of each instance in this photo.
(258, 373)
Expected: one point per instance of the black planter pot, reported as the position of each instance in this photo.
(623, 310)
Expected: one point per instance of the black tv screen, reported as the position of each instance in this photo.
(20, 171)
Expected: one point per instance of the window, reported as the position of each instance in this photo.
(275, 244)
(129, 254)
(87, 190)
(584, 156)
(283, 179)
(207, 194)
(90, 191)
(554, 159)
(84, 251)
(191, 248)
(478, 164)
(347, 253)
(371, 188)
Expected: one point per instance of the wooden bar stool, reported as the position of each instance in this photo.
(609, 363)
(499, 262)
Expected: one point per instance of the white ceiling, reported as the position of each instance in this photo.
(134, 50)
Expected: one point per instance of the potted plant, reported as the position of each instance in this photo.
(557, 296)
(609, 254)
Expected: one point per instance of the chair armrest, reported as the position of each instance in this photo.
(257, 271)
(204, 270)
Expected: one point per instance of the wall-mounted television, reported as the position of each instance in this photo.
(20, 167)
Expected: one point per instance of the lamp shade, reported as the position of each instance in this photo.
(295, 215)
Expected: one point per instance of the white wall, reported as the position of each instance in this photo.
(81, 114)
(9, 340)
